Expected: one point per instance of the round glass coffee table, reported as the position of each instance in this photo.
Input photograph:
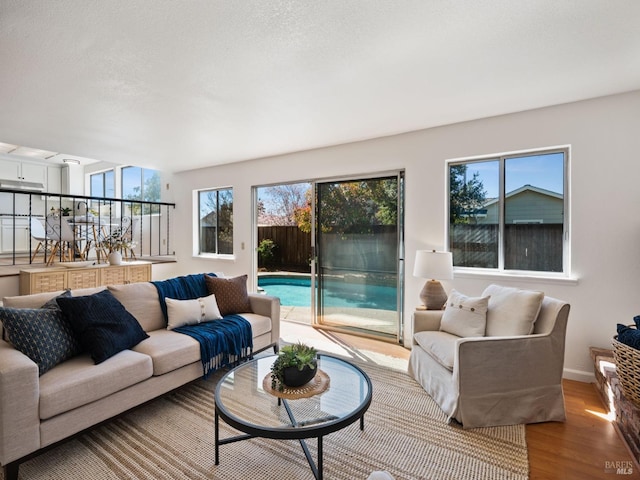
(245, 401)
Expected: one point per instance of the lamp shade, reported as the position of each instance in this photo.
(434, 265)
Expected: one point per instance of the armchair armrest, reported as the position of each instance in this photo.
(19, 404)
(498, 364)
(426, 320)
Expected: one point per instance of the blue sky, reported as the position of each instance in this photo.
(542, 171)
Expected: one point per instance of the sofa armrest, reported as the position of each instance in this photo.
(269, 307)
(19, 404)
(514, 363)
(426, 320)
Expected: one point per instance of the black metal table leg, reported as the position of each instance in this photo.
(217, 435)
(319, 477)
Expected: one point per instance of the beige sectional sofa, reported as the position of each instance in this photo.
(36, 411)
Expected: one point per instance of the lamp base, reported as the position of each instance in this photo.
(433, 295)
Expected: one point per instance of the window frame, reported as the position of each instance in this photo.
(198, 252)
(142, 183)
(102, 174)
(500, 270)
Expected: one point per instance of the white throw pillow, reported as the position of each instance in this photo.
(511, 311)
(465, 316)
(191, 312)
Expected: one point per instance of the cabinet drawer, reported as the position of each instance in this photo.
(141, 273)
(54, 279)
(47, 282)
(113, 276)
(83, 278)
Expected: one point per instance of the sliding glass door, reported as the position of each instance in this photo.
(358, 267)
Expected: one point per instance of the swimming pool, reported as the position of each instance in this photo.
(296, 292)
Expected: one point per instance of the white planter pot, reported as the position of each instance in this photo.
(115, 258)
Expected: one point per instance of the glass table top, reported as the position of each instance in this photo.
(240, 397)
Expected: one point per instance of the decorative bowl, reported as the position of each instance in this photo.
(76, 264)
(292, 377)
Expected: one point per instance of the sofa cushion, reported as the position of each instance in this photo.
(79, 381)
(42, 334)
(102, 324)
(169, 350)
(191, 312)
(141, 300)
(440, 345)
(511, 311)
(465, 316)
(36, 300)
(231, 293)
(260, 324)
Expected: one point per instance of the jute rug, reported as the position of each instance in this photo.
(172, 438)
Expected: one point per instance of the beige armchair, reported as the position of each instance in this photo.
(493, 380)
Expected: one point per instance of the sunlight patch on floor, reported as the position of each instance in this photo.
(293, 332)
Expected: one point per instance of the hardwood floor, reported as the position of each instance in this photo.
(584, 447)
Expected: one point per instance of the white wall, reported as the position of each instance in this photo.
(605, 196)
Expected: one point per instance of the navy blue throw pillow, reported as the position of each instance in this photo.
(102, 324)
(629, 336)
(42, 334)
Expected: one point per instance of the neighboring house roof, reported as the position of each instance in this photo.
(524, 188)
(526, 204)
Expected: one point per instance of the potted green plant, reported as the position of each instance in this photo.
(295, 366)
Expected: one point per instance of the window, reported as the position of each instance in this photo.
(102, 184)
(140, 184)
(216, 221)
(509, 212)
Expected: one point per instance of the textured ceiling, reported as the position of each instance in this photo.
(182, 84)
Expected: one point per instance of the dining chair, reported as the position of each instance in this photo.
(64, 238)
(38, 233)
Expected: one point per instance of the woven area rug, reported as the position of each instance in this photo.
(172, 437)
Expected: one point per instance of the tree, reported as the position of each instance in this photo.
(353, 207)
(466, 197)
(280, 203)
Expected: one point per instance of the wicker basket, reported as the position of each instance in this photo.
(628, 369)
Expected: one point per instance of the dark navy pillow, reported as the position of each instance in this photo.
(636, 320)
(102, 324)
(629, 336)
(42, 334)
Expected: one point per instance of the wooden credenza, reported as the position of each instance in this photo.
(52, 279)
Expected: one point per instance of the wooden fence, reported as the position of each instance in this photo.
(375, 251)
(535, 247)
(292, 248)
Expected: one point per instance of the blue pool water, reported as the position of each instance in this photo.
(296, 292)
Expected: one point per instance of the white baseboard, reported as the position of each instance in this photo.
(579, 375)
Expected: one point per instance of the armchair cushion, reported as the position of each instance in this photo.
(511, 311)
(465, 316)
(439, 345)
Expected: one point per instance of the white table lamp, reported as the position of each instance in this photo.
(434, 266)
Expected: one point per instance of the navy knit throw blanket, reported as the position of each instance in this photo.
(221, 341)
